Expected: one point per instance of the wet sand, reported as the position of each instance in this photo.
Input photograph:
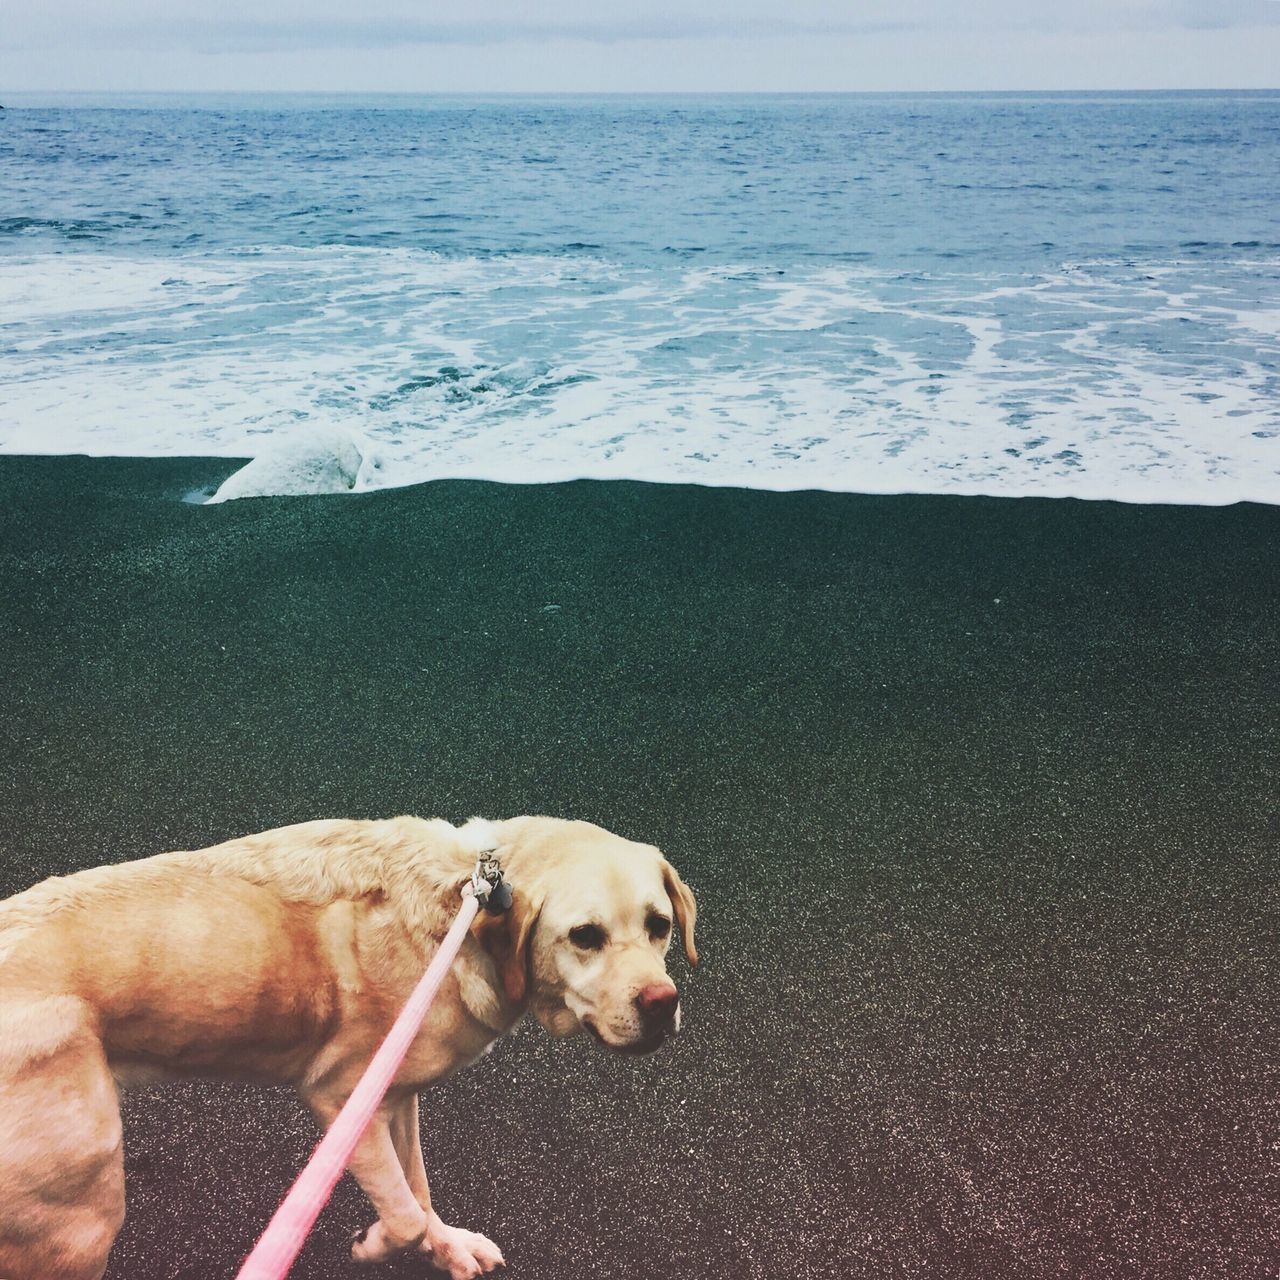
(978, 796)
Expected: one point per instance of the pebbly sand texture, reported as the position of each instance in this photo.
(979, 797)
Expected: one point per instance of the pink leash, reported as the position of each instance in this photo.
(287, 1231)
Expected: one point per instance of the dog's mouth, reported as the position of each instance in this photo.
(646, 1044)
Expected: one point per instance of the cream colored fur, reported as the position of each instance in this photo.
(284, 957)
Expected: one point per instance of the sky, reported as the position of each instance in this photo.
(592, 46)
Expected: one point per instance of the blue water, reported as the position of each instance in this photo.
(1064, 294)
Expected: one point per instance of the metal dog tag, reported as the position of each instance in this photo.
(499, 899)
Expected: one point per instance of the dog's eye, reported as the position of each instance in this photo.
(590, 937)
(658, 926)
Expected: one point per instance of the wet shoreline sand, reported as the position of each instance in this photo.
(978, 796)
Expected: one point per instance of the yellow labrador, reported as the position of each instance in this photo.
(286, 956)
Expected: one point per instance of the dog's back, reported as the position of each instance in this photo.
(222, 961)
(131, 961)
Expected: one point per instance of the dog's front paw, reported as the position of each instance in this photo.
(463, 1254)
(378, 1243)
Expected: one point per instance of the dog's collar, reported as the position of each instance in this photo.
(491, 889)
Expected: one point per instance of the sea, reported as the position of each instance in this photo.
(1070, 295)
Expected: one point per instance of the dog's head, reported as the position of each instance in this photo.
(585, 941)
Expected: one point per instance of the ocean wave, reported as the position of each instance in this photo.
(66, 228)
(1154, 380)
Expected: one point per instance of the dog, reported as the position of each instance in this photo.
(285, 957)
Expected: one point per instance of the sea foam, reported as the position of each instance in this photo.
(327, 461)
(1095, 379)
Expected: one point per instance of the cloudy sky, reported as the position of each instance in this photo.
(640, 45)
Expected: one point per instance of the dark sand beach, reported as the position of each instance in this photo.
(978, 796)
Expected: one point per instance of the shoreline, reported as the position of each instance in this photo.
(217, 468)
(977, 795)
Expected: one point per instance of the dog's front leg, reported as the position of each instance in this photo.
(375, 1165)
(463, 1254)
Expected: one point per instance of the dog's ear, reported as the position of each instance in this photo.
(508, 938)
(685, 907)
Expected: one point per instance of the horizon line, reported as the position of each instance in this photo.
(622, 93)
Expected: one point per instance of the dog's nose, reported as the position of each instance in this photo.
(658, 1003)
